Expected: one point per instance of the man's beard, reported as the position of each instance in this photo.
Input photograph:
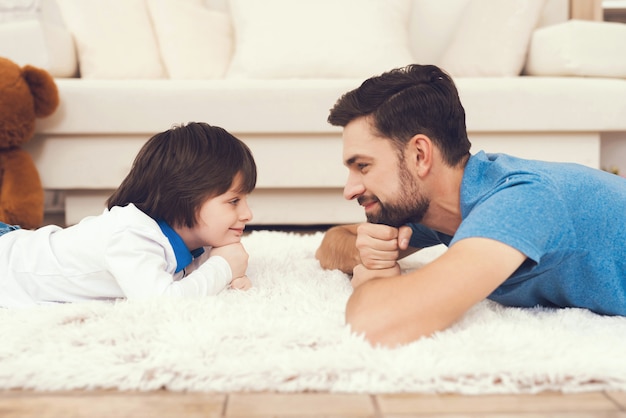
(410, 208)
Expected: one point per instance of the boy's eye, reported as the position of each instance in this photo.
(234, 201)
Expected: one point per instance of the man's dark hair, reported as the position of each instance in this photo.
(176, 171)
(404, 102)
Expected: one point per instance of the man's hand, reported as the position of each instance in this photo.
(380, 245)
(362, 274)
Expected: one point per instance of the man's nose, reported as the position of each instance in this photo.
(354, 187)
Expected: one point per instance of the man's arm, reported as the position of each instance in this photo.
(338, 249)
(377, 247)
(400, 309)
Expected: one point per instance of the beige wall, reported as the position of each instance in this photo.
(586, 9)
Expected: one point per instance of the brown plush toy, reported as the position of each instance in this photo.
(25, 94)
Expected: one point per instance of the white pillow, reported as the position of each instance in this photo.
(428, 18)
(114, 38)
(319, 38)
(578, 48)
(49, 47)
(195, 42)
(492, 38)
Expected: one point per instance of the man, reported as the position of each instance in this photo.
(523, 233)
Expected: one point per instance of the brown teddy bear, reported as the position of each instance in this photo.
(26, 93)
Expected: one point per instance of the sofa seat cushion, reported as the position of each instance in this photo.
(150, 106)
(549, 104)
(507, 104)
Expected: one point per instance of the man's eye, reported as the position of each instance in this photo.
(362, 166)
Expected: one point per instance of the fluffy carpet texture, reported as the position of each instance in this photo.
(287, 334)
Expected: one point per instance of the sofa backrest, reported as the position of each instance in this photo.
(432, 23)
(436, 20)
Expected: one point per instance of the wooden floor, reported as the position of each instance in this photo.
(161, 404)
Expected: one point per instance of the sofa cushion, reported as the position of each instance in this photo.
(289, 107)
(430, 17)
(114, 38)
(195, 42)
(579, 48)
(317, 39)
(42, 45)
(492, 38)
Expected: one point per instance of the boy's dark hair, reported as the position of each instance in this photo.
(404, 102)
(176, 171)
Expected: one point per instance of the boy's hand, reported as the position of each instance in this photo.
(235, 255)
(241, 283)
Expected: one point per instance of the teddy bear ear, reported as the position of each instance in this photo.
(44, 90)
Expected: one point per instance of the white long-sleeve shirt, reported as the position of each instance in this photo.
(121, 253)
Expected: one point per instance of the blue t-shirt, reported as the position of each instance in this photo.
(568, 219)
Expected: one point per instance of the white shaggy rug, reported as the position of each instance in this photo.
(287, 334)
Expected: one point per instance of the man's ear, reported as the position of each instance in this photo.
(421, 153)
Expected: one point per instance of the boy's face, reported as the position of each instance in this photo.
(222, 219)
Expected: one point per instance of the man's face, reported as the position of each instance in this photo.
(379, 178)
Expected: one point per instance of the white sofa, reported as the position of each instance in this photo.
(520, 96)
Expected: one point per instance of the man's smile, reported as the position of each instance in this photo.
(368, 204)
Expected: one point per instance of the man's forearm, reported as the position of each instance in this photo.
(338, 249)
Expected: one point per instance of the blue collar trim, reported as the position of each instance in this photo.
(183, 256)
